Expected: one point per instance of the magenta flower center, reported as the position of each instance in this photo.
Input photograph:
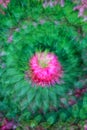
(45, 69)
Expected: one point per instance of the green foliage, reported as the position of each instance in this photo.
(19, 52)
(34, 29)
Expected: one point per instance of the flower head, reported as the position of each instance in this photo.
(85, 127)
(8, 125)
(4, 3)
(45, 69)
(81, 7)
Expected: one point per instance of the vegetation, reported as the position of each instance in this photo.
(26, 28)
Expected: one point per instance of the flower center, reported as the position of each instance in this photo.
(43, 60)
(43, 64)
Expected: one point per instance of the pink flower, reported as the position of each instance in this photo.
(72, 102)
(10, 38)
(85, 127)
(8, 125)
(81, 7)
(78, 92)
(45, 69)
(4, 3)
(53, 3)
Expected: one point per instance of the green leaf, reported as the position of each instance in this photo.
(26, 115)
(45, 125)
(75, 111)
(83, 113)
(38, 118)
(85, 102)
(51, 117)
(33, 123)
(63, 116)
